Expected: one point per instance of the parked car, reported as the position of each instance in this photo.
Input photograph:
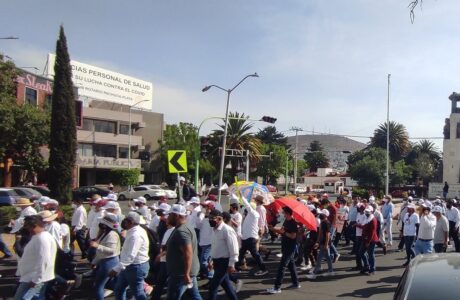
(170, 194)
(26, 192)
(430, 276)
(8, 196)
(149, 192)
(41, 189)
(299, 189)
(85, 192)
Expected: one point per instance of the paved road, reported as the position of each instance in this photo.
(346, 284)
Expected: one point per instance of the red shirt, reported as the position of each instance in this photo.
(370, 231)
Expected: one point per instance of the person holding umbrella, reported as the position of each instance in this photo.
(288, 247)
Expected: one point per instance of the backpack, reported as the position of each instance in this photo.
(154, 243)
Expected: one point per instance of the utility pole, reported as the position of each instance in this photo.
(296, 129)
(387, 181)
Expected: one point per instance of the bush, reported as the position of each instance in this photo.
(360, 192)
(7, 213)
(125, 177)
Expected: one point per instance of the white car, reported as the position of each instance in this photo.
(149, 192)
(170, 194)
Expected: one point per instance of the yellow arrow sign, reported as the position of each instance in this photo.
(177, 161)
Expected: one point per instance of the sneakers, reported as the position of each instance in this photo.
(311, 276)
(78, 279)
(238, 285)
(274, 290)
(294, 286)
(336, 258)
(107, 293)
(279, 255)
(305, 267)
(261, 273)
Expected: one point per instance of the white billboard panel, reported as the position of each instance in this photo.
(97, 83)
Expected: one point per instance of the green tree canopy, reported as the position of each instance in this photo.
(269, 135)
(270, 168)
(368, 168)
(399, 140)
(315, 157)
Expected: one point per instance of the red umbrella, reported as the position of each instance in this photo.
(301, 213)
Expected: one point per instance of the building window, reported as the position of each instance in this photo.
(104, 126)
(87, 124)
(48, 101)
(85, 149)
(31, 96)
(123, 152)
(105, 150)
(124, 129)
(458, 130)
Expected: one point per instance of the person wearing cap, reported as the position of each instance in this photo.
(323, 243)
(441, 232)
(424, 243)
(53, 227)
(224, 254)
(379, 217)
(195, 211)
(112, 207)
(453, 216)
(24, 207)
(236, 219)
(411, 224)
(94, 226)
(141, 206)
(36, 265)
(205, 239)
(326, 204)
(288, 248)
(370, 238)
(361, 219)
(182, 256)
(259, 199)
(78, 224)
(387, 212)
(400, 222)
(133, 265)
(214, 199)
(187, 191)
(249, 236)
(162, 213)
(351, 229)
(107, 247)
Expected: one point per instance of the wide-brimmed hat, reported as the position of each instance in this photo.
(23, 202)
(47, 216)
(112, 205)
(110, 220)
(141, 200)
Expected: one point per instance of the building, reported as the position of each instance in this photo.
(103, 128)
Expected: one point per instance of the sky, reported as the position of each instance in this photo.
(323, 65)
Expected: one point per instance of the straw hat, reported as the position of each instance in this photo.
(47, 216)
(23, 202)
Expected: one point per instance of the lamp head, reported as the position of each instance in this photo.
(254, 75)
(206, 88)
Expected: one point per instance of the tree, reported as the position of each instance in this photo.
(399, 140)
(429, 148)
(63, 136)
(269, 135)
(125, 177)
(8, 73)
(239, 138)
(424, 167)
(315, 157)
(400, 173)
(270, 168)
(368, 167)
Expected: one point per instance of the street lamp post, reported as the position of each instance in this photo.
(387, 181)
(224, 142)
(130, 132)
(9, 38)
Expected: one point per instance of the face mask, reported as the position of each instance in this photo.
(212, 223)
(123, 225)
(18, 209)
(74, 206)
(103, 227)
(368, 215)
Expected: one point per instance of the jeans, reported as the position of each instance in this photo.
(323, 253)
(356, 248)
(387, 227)
(439, 248)
(333, 250)
(423, 246)
(368, 257)
(24, 292)
(409, 243)
(177, 287)
(4, 248)
(162, 278)
(221, 277)
(80, 237)
(250, 245)
(453, 233)
(133, 276)
(205, 255)
(287, 260)
(102, 275)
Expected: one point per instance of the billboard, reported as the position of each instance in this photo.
(97, 83)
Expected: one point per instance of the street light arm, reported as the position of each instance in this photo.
(138, 103)
(206, 88)
(250, 75)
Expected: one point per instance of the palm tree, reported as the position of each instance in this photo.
(399, 139)
(429, 148)
(239, 138)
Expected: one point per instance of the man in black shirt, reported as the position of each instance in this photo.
(288, 247)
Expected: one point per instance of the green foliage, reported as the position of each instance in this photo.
(315, 157)
(67, 210)
(271, 168)
(269, 135)
(8, 73)
(368, 168)
(302, 166)
(63, 141)
(7, 213)
(125, 177)
(360, 192)
(399, 140)
(400, 173)
(424, 167)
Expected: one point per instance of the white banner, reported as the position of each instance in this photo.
(97, 83)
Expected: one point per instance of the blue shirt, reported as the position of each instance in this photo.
(387, 210)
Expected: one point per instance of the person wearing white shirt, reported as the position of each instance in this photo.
(453, 216)
(441, 233)
(134, 259)
(424, 243)
(236, 219)
(205, 239)
(411, 223)
(53, 227)
(224, 253)
(249, 236)
(36, 266)
(387, 212)
(78, 224)
(24, 206)
(361, 220)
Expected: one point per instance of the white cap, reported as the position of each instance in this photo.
(134, 216)
(437, 209)
(371, 199)
(140, 200)
(194, 200)
(112, 197)
(311, 207)
(112, 205)
(410, 198)
(369, 209)
(182, 178)
(43, 199)
(411, 205)
(324, 212)
(164, 206)
(428, 204)
(178, 210)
